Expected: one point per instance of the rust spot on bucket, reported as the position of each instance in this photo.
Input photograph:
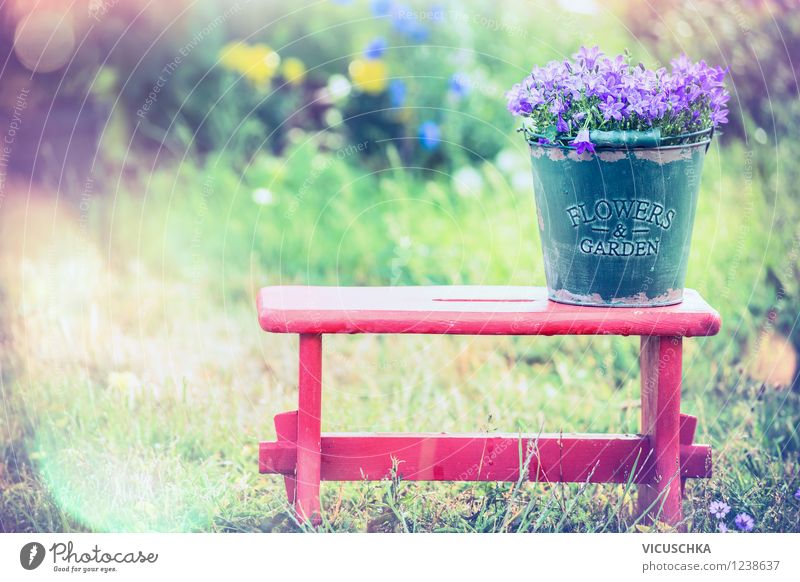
(664, 156)
(670, 297)
(612, 156)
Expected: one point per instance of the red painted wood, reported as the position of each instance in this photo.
(473, 310)
(573, 458)
(661, 368)
(309, 422)
(286, 430)
(667, 453)
(696, 461)
(688, 428)
(278, 457)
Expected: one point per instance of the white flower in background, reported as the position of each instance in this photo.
(333, 117)
(468, 182)
(515, 167)
(339, 86)
(522, 181)
(580, 6)
(509, 160)
(263, 197)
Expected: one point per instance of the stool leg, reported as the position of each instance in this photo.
(286, 430)
(688, 428)
(309, 421)
(661, 366)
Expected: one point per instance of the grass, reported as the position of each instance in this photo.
(136, 384)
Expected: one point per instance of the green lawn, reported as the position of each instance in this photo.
(137, 384)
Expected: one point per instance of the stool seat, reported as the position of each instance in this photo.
(470, 310)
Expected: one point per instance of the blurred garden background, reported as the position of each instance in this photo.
(161, 161)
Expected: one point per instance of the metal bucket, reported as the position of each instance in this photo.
(616, 225)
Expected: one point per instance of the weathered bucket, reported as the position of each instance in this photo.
(616, 225)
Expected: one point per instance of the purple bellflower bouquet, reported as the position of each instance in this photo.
(583, 102)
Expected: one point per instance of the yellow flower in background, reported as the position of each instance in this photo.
(264, 63)
(258, 63)
(369, 75)
(294, 71)
(234, 55)
(123, 381)
(125, 385)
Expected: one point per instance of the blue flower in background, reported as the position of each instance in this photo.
(417, 32)
(381, 7)
(458, 85)
(397, 92)
(375, 48)
(430, 135)
(405, 21)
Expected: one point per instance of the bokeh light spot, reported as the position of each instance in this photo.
(44, 42)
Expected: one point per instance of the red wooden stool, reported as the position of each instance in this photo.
(660, 458)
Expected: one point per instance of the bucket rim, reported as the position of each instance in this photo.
(666, 143)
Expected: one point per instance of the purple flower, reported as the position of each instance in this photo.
(518, 101)
(675, 102)
(719, 117)
(375, 48)
(551, 75)
(535, 96)
(616, 66)
(558, 107)
(719, 509)
(611, 109)
(744, 522)
(595, 85)
(582, 142)
(797, 494)
(524, 106)
(430, 135)
(657, 107)
(588, 57)
(681, 64)
(628, 82)
(594, 91)
(543, 141)
(719, 98)
(722, 527)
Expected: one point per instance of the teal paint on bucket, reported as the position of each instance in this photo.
(616, 225)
